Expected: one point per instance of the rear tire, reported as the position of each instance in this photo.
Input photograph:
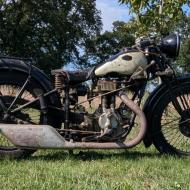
(9, 83)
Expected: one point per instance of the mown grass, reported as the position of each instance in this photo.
(137, 168)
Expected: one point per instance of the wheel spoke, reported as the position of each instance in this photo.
(174, 140)
(169, 133)
(27, 115)
(171, 122)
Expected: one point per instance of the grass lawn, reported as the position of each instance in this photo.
(137, 168)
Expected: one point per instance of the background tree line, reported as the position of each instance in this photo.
(53, 32)
(58, 32)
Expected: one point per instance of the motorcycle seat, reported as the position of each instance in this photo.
(76, 77)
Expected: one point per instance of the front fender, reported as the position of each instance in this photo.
(13, 65)
(150, 103)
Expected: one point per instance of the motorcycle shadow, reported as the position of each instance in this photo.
(95, 155)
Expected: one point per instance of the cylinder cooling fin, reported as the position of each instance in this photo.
(105, 85)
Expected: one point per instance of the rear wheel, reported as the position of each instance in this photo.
(10, 85)
(171, 121)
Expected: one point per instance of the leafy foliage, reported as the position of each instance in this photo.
(55, 32)
(162, 17)
(156, 16)
(184, 57)
(111, 42)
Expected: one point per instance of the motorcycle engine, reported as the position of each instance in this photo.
(110, 123)
(107, 117)
(108, 120)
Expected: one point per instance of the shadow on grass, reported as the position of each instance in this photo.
(95, 155)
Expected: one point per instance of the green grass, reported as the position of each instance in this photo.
(137, 168)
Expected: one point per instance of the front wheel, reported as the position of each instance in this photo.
(171, 121)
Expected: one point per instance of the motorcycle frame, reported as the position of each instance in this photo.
(58, 111)
(63, 113)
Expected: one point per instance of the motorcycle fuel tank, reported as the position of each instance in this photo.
(125, 63)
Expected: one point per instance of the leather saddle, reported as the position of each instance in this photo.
(75, 77)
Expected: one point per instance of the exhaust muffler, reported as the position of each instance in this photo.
(32, 136)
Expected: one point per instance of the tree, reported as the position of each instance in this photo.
(183, 60)
(111, 42)
(184, 57)
(54, 32)
(156, 16)
(163, 17)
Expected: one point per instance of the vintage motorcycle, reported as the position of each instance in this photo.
(38, 114)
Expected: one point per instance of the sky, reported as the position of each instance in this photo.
(111, 11)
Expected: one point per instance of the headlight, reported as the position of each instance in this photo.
(170, 45)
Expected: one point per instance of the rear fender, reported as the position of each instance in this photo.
(11, 65)
(152, 101)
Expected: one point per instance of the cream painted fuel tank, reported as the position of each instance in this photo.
(124, 64)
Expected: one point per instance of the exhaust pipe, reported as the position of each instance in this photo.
(142, 120)
(46, 137)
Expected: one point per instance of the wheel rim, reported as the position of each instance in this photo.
(28, 115)
(175, 127)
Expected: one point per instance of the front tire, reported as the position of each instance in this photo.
(171, 131)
